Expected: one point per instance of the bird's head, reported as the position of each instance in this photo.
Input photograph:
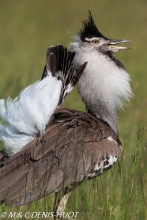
(104, 84)
(91, 35)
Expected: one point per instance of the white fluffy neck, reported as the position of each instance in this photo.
(103, 86)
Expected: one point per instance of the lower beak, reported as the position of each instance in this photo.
(114, 49)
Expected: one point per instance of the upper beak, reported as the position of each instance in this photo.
(114, 49)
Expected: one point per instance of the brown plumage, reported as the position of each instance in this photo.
(75, 146)
(73, 143)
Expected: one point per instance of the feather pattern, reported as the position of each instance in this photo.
(27, 115)
(108, 85)
(76, 146)
(104, 84)
(89, 29)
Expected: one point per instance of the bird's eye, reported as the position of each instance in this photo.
(95, 41)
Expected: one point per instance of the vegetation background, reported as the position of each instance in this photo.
(27, 29)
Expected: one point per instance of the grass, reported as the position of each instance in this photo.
(27, 28)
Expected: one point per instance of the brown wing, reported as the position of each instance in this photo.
(73, 145)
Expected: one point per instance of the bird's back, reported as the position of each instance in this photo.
(76, 146)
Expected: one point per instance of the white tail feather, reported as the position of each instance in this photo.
(27, 115)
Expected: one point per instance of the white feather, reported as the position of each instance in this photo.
(27, 115)
(104, 86)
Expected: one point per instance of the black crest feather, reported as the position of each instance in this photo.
(89, 29)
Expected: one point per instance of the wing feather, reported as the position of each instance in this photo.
(66, 155)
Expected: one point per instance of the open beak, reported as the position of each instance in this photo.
(114, 49)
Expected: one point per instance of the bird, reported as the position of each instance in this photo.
(74, 146)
